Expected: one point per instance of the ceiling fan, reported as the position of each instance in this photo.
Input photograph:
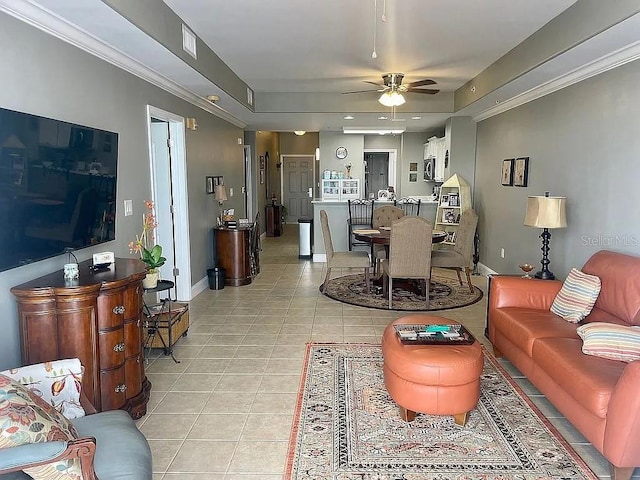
(392, 89)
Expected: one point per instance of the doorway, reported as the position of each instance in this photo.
(376, 173)
(169, 195)
(297, 186)
(247, 189)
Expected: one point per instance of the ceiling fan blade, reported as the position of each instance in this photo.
(428, 91)
(361, 91)
(421, 83)
(376, 84)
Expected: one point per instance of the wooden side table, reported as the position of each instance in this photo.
(274, 220)
(232, 254)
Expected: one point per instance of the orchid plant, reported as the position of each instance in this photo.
(149, 254)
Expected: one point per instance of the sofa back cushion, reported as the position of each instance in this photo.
(620, 292)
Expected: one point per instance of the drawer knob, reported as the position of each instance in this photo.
(120, 388)
(119, 309)
(118, 347)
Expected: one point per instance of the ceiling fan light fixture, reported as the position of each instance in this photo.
(299, 132)
(391, 99)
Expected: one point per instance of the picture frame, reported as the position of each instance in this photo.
(210, 189)
(521, 172)
(262, 162)
(261, 177)
(506, 178)
(413, 167)
(413, 177)
(444, 200)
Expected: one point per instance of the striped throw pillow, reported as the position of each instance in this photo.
(608, 340)
(577, 296)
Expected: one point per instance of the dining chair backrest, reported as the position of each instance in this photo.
(384, 216)
(410, 206)
(360, 211)
(464, 236)
(410, 248)
(326, 235)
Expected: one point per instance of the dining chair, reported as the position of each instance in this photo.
(461, 256)
(383, 217)
(409, 254)
(254, 246)
(358, 259)
(410, 206)
(360, 215)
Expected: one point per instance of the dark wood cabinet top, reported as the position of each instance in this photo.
(122, 272)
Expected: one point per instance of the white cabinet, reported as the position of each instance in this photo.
(341, 189)
(435, 150)
(455, 198)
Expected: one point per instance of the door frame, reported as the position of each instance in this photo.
(183, 290)
(313, 172)
(393, 153)
(248, 182)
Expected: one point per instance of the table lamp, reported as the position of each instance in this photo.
(545, 212)
(221, 197)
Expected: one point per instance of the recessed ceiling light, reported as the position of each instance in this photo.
(383, 118)
(416, 118)
(349, 117)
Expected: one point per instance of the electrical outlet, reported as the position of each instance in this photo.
(502, 253)
(128, 208)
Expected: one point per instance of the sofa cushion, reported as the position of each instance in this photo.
(58, 383)
(26, 418)
(620, 293)
(522, 326)
(117, 437)
(589, 380)
(577, 296)
(607, 340)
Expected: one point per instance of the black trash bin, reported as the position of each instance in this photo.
(216, 278)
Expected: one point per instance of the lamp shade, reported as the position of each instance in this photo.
(546, 212)
(221, 193)
(391, 99)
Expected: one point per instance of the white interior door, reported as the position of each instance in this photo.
(297, 183)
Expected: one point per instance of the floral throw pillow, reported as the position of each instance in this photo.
(58, 383)
(26, 418)
(578, 295)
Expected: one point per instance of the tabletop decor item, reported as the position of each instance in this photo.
(150, 253)
(526, 268)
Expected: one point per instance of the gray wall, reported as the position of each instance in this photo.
(583, 143)
(44, 76)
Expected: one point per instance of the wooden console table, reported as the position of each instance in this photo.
(96, 318)
(274, 220)
(232, 254)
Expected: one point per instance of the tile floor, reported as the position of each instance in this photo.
(225, 411)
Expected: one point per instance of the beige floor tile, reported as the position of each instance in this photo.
(277, 366)
(168, 426)
(279, 384)
(259, 457)
(179, 402)
(162, 381)
(229, 402)
(238, 383)
(227, 426)
(207, 456)
(253, 351)
(220, 351)
(196, 382)
(278, 403)
(208, 365)
(267, 427)
(163, 452)
(254, 366)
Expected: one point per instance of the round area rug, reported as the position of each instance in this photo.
(445, 293)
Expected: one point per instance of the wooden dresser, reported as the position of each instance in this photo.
(232, 254)
(96, 318)
(273, 220)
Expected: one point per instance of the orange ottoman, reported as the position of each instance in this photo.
(434, 379)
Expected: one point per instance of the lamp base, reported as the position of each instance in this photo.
(545, 275)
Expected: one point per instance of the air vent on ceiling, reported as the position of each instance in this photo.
(189, 41)
(249, 96)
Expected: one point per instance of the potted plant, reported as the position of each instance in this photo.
(150, 253)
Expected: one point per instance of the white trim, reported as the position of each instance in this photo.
(320, 257)
(486, 271)
(200, 287)
(180, 198)
(610, 61)
(47, 21)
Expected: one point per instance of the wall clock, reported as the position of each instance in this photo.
(341, 153)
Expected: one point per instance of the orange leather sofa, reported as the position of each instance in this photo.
(600, 397)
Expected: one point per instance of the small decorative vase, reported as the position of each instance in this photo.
(151, 280)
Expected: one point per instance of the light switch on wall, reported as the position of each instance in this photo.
(128, 208)
(231, 191)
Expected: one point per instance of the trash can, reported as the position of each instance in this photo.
(305, 237)
(216, 278)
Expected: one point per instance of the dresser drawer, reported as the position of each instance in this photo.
(111, 310)
(113, 389)
(134, 371)
(112, 348)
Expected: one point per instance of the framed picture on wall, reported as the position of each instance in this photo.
(262, 162)
(521, 172)
(413, 177)
(413, 166)
(261, 177)
(507, 172)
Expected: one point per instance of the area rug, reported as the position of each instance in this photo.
(445, 293)
(346, 427)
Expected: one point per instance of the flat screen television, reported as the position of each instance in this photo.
(57, 187)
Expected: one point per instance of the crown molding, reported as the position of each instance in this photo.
(607, 62)
(51, 23)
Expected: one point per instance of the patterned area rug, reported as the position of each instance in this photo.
(348, 428)
(445, 293)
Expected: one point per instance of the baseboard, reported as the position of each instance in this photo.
(320, 257)
(484, 270)
(199, 287)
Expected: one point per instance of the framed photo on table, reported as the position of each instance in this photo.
(507, 172)
(521, 172)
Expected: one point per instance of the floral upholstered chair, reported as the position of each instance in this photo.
(49, 430)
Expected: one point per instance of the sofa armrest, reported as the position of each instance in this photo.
(522, 292)
(33, 454)
(621, 443)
